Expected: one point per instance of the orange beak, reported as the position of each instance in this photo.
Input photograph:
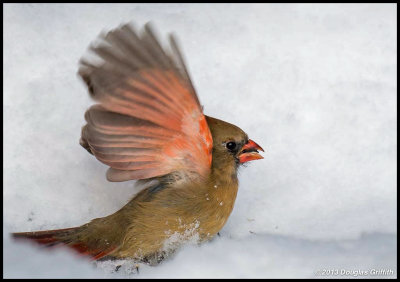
(249, 152)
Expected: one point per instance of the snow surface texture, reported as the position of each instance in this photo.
(315, 85)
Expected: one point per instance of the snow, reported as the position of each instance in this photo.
(314, 85)
(253, 256)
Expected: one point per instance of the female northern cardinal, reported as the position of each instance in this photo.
(149, 125)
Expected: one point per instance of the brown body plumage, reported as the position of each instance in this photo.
(188, 162)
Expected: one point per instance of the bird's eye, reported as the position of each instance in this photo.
(231, 146)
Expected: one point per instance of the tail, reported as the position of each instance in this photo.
(63, 237)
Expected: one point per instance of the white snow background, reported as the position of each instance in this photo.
(314, 85)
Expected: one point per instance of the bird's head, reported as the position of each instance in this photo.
(231, 145)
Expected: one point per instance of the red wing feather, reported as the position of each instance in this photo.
(148, 121)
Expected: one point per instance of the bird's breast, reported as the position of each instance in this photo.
(175, 215)
(217, 204)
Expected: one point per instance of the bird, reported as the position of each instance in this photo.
(148, 125)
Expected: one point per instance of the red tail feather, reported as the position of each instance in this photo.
(52, 238)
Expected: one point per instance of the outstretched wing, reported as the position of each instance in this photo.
(149, 120)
